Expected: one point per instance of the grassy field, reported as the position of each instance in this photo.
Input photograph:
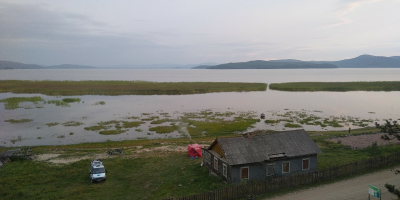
(151, 174)
(337, 86)
(68, 88)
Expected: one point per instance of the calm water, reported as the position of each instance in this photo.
(364, 105)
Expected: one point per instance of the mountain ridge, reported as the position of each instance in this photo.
(362, 61)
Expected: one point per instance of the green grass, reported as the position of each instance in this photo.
(59, 103)
(68, 88)
(139, 178)
(112, 132)
(163, 129)
(72, 123)
(14, 102)
(337, 86)
(270, 121)
(335, 154)
(291, 125)
(100, 103)
(120, 127)
(71, 100)
(52, 124)
(147, 175)
(160, 121)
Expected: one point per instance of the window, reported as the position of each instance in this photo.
(244, 173)
(270, 169)
(285, 167)
(216, 163)
(306, 164)
(225, 170)
(207, 157)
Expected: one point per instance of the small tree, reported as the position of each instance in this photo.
(391, 130)
(391, 189)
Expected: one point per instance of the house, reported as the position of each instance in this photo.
(260, 156)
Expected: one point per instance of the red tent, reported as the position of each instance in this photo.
(194, 150)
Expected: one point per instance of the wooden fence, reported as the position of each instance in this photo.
(289, 181)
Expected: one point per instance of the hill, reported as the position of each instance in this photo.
(276, 64)
(369, 61)
(363, 61)
(17, 65)
(69, 66)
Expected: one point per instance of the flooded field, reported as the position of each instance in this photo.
(51, 120)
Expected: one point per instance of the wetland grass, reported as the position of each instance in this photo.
(120, 127)
(72, 123)
(68, 88)
(291, 125)
(18, 121)
(14, 102)
(52, 124)
(100, 103)
(337, 86)
(71, 100)
(163, 129)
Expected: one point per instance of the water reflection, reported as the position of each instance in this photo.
(362, 105)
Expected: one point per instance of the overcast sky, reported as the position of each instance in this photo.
(100, 32)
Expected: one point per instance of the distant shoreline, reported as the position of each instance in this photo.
(363, 61)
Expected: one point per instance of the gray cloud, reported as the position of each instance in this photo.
(34, 33)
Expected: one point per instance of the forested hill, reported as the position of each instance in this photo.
(363, 61)
(68, 66)
(17, 65)
(279, 64)
(369, 61)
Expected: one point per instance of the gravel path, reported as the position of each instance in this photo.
(355, 188)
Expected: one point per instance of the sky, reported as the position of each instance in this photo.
(146, 32)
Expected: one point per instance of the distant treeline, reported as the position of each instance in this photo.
(124, 87)
(337, 86)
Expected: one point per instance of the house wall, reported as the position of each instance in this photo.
(258, 171)
(221, 162)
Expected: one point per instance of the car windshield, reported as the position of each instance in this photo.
(98, 170)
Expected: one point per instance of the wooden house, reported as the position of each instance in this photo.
(257, 157)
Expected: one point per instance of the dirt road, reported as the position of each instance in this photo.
(355, 188)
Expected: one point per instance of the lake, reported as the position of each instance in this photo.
(374, 106)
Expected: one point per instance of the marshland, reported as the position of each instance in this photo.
(104, 105)
(71, 127)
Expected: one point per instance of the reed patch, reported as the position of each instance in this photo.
(16, 102)
(70, 88)
(337, 86)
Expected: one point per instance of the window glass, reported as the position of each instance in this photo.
(225, 170)
(216, 163)
(285, 167)
(270, 169)
(306, 164)
(244, 174)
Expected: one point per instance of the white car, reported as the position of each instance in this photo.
(97, 171)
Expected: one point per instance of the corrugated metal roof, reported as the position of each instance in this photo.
(259, 148)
